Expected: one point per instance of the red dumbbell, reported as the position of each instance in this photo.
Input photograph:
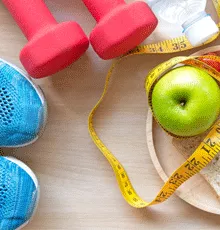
(51, 46)
(120, 26)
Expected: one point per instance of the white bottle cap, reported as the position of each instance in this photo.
(200, 28)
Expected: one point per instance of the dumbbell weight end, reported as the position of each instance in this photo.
(123, 28)
(54, 50)
(51, 46)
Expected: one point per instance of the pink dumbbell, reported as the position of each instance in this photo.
(51, 46)
(120, 26)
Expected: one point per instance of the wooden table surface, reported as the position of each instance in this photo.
(78, 188)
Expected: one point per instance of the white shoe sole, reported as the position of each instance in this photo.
(43, 101)
(34, 178)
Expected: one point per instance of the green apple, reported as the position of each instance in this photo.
(186, 101)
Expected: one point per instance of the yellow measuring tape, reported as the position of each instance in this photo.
(198, 160)
(205, 152)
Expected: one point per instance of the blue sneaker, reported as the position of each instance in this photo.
(19, 194)
(23, 110)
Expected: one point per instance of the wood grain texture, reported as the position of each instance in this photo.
(78, 188)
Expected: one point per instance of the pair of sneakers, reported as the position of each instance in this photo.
(23, 114)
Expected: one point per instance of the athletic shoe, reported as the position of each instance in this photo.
(19, 194)
(23, 110)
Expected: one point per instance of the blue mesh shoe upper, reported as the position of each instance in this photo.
(18, 195)
(21, 108)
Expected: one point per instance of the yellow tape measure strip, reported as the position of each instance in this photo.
(217, 6)
(203, 154)
(168, 46)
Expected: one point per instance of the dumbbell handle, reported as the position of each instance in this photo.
(30, 15)
(99, 8)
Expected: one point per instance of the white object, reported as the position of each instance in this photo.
(189, 17)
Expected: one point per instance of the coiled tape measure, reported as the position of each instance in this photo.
(204, 153)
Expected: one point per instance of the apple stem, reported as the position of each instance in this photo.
(182, 103)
